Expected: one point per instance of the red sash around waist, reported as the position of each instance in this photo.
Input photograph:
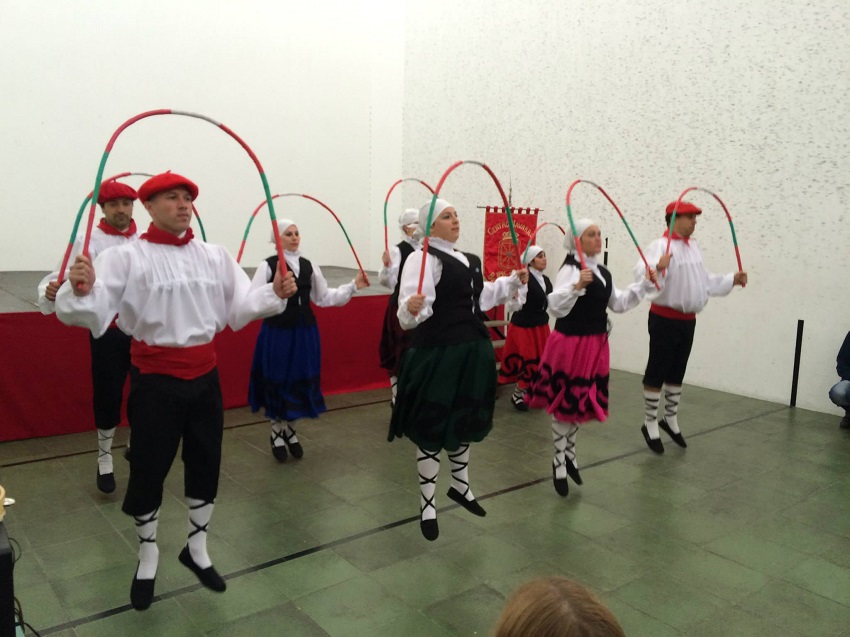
(670, 313)
(181, 362)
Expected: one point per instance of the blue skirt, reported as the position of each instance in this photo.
(285, 373)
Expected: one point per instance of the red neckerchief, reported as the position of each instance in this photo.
(155, 235)
(677, 237)
(115, 232)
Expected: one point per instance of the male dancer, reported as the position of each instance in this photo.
(672, 319)
(110, 354)
(172, 295)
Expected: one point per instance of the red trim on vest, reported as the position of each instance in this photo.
(670, 313)
(181, 362)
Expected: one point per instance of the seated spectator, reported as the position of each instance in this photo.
(840, 393)
(556, 607)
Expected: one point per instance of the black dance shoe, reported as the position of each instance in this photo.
(105, 482)
(653, 443)
(127, 453)
(562, 486)
(519, 402)
(572, 471)
(845, 422)
(295, 448)
(470, 505)
(141, 592)
(430, 529)
(209, 577)
(678, 438)
(279, 453)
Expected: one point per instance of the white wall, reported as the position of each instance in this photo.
(313, 88)
(340, 99)
(647, 98)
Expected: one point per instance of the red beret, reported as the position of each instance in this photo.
(165, 181)
(684, 208)
(110, 190)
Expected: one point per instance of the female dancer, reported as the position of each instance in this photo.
(529, 328)
(394, 340)
(447, 378)
(285, 373)
(572, 380)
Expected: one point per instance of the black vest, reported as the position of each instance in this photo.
(589, 315)
(406, 250)
(455, 318)
(533, 313)
(298, 310)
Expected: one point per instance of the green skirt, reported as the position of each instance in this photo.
(446, 395)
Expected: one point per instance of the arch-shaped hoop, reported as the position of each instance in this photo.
(722, 205)
(296, 194)
(534, 234)
(167, 111)
(442, 181)
(387, 199)
(619, 212)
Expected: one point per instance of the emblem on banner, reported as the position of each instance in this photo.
(507, 253)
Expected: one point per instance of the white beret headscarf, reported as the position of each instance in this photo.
(439, 206)
(529, 255)
(581, 226)
(282, 225)
(408, 217)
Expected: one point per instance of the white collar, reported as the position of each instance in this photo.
(442, 244)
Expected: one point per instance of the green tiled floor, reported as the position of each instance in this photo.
(747, 532)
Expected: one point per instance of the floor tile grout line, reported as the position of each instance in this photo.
(362, 534)
(90, 451)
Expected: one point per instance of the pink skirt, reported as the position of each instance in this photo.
(521, 354)
(571, 383)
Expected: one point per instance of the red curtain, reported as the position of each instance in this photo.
(45, 368)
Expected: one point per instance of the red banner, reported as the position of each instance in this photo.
(500, 254)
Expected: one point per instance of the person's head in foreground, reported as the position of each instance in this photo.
(556, 607)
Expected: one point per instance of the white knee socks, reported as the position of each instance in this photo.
(564, 437)
(672, 396)
(428, 465)
(460, 472)
(148, 551)
(651, 400)
(200, 513)
(104, 450)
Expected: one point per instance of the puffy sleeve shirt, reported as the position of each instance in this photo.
(320, 293)
(564, 295)
(165, 295)
(388, 275)
(494, 292)
(98, 242)
(687, 284)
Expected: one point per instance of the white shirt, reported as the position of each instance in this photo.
(494, 293)
(564, 295)
(98, 242)
(388, 276)
(687, 285)
(320, 293)
(165, 295)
